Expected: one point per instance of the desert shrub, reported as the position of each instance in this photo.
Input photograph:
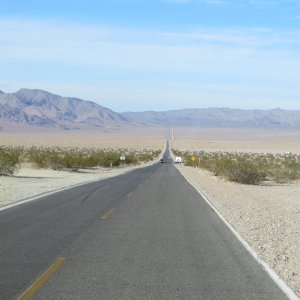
(246, 173)
(145, 157)
(246, 168)
(39, 159)
(9, 162)
(70, 158)
(156, 153)
(74, 159)
(284, 172)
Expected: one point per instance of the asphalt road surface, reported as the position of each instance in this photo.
(143, 235)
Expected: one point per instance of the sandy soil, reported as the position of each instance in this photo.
(237, 140)
(236, 134)
(128, 137)
(268, 218)
(238, 146)
(81, 141)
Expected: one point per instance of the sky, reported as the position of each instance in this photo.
(136, 55)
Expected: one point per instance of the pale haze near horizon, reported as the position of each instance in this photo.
(155, 55)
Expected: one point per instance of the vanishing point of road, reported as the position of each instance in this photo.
(147, 234)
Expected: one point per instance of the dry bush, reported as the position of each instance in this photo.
(246, 168)
(78, 158)
(9, 162)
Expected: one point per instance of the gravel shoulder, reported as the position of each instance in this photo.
(30, 181)
(266, 216)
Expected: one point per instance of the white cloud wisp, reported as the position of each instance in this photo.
(219, 64)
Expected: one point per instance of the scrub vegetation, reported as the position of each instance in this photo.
(246, 168)
(72, 159)
(9, 161)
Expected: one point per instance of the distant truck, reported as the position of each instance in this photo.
(178, 160)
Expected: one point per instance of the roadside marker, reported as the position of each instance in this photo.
(42, 280)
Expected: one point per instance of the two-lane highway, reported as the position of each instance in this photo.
(143, 235)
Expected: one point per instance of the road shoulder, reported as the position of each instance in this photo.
(267, 217)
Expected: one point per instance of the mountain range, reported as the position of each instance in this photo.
(40, 108)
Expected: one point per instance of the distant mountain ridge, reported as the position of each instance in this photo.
(41, 108)
(220, 117)
(44, 109)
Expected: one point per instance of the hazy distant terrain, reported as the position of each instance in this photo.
(29, 107)
(220, 117)
(40, 108)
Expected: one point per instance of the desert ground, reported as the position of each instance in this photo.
(238, 146)
(267, 216)
(129, 138)
(237, 140)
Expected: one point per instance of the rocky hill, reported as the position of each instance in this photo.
(38, 107)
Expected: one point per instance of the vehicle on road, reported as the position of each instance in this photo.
(161, 161)
(178, 160)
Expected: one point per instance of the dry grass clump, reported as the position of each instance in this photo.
(71, 158)
(246, 168)
(9, 161)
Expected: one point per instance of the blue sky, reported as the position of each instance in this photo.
(155, 54)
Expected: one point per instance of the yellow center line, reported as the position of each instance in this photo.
(42, 280)
(108, 213)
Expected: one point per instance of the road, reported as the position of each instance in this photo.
(143, 235)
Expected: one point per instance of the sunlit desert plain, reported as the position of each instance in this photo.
(237, 140)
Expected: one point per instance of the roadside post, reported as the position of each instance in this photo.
(193, 158)
(122, 159)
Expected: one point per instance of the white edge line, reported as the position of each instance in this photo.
(281, 284)
(45, 194)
